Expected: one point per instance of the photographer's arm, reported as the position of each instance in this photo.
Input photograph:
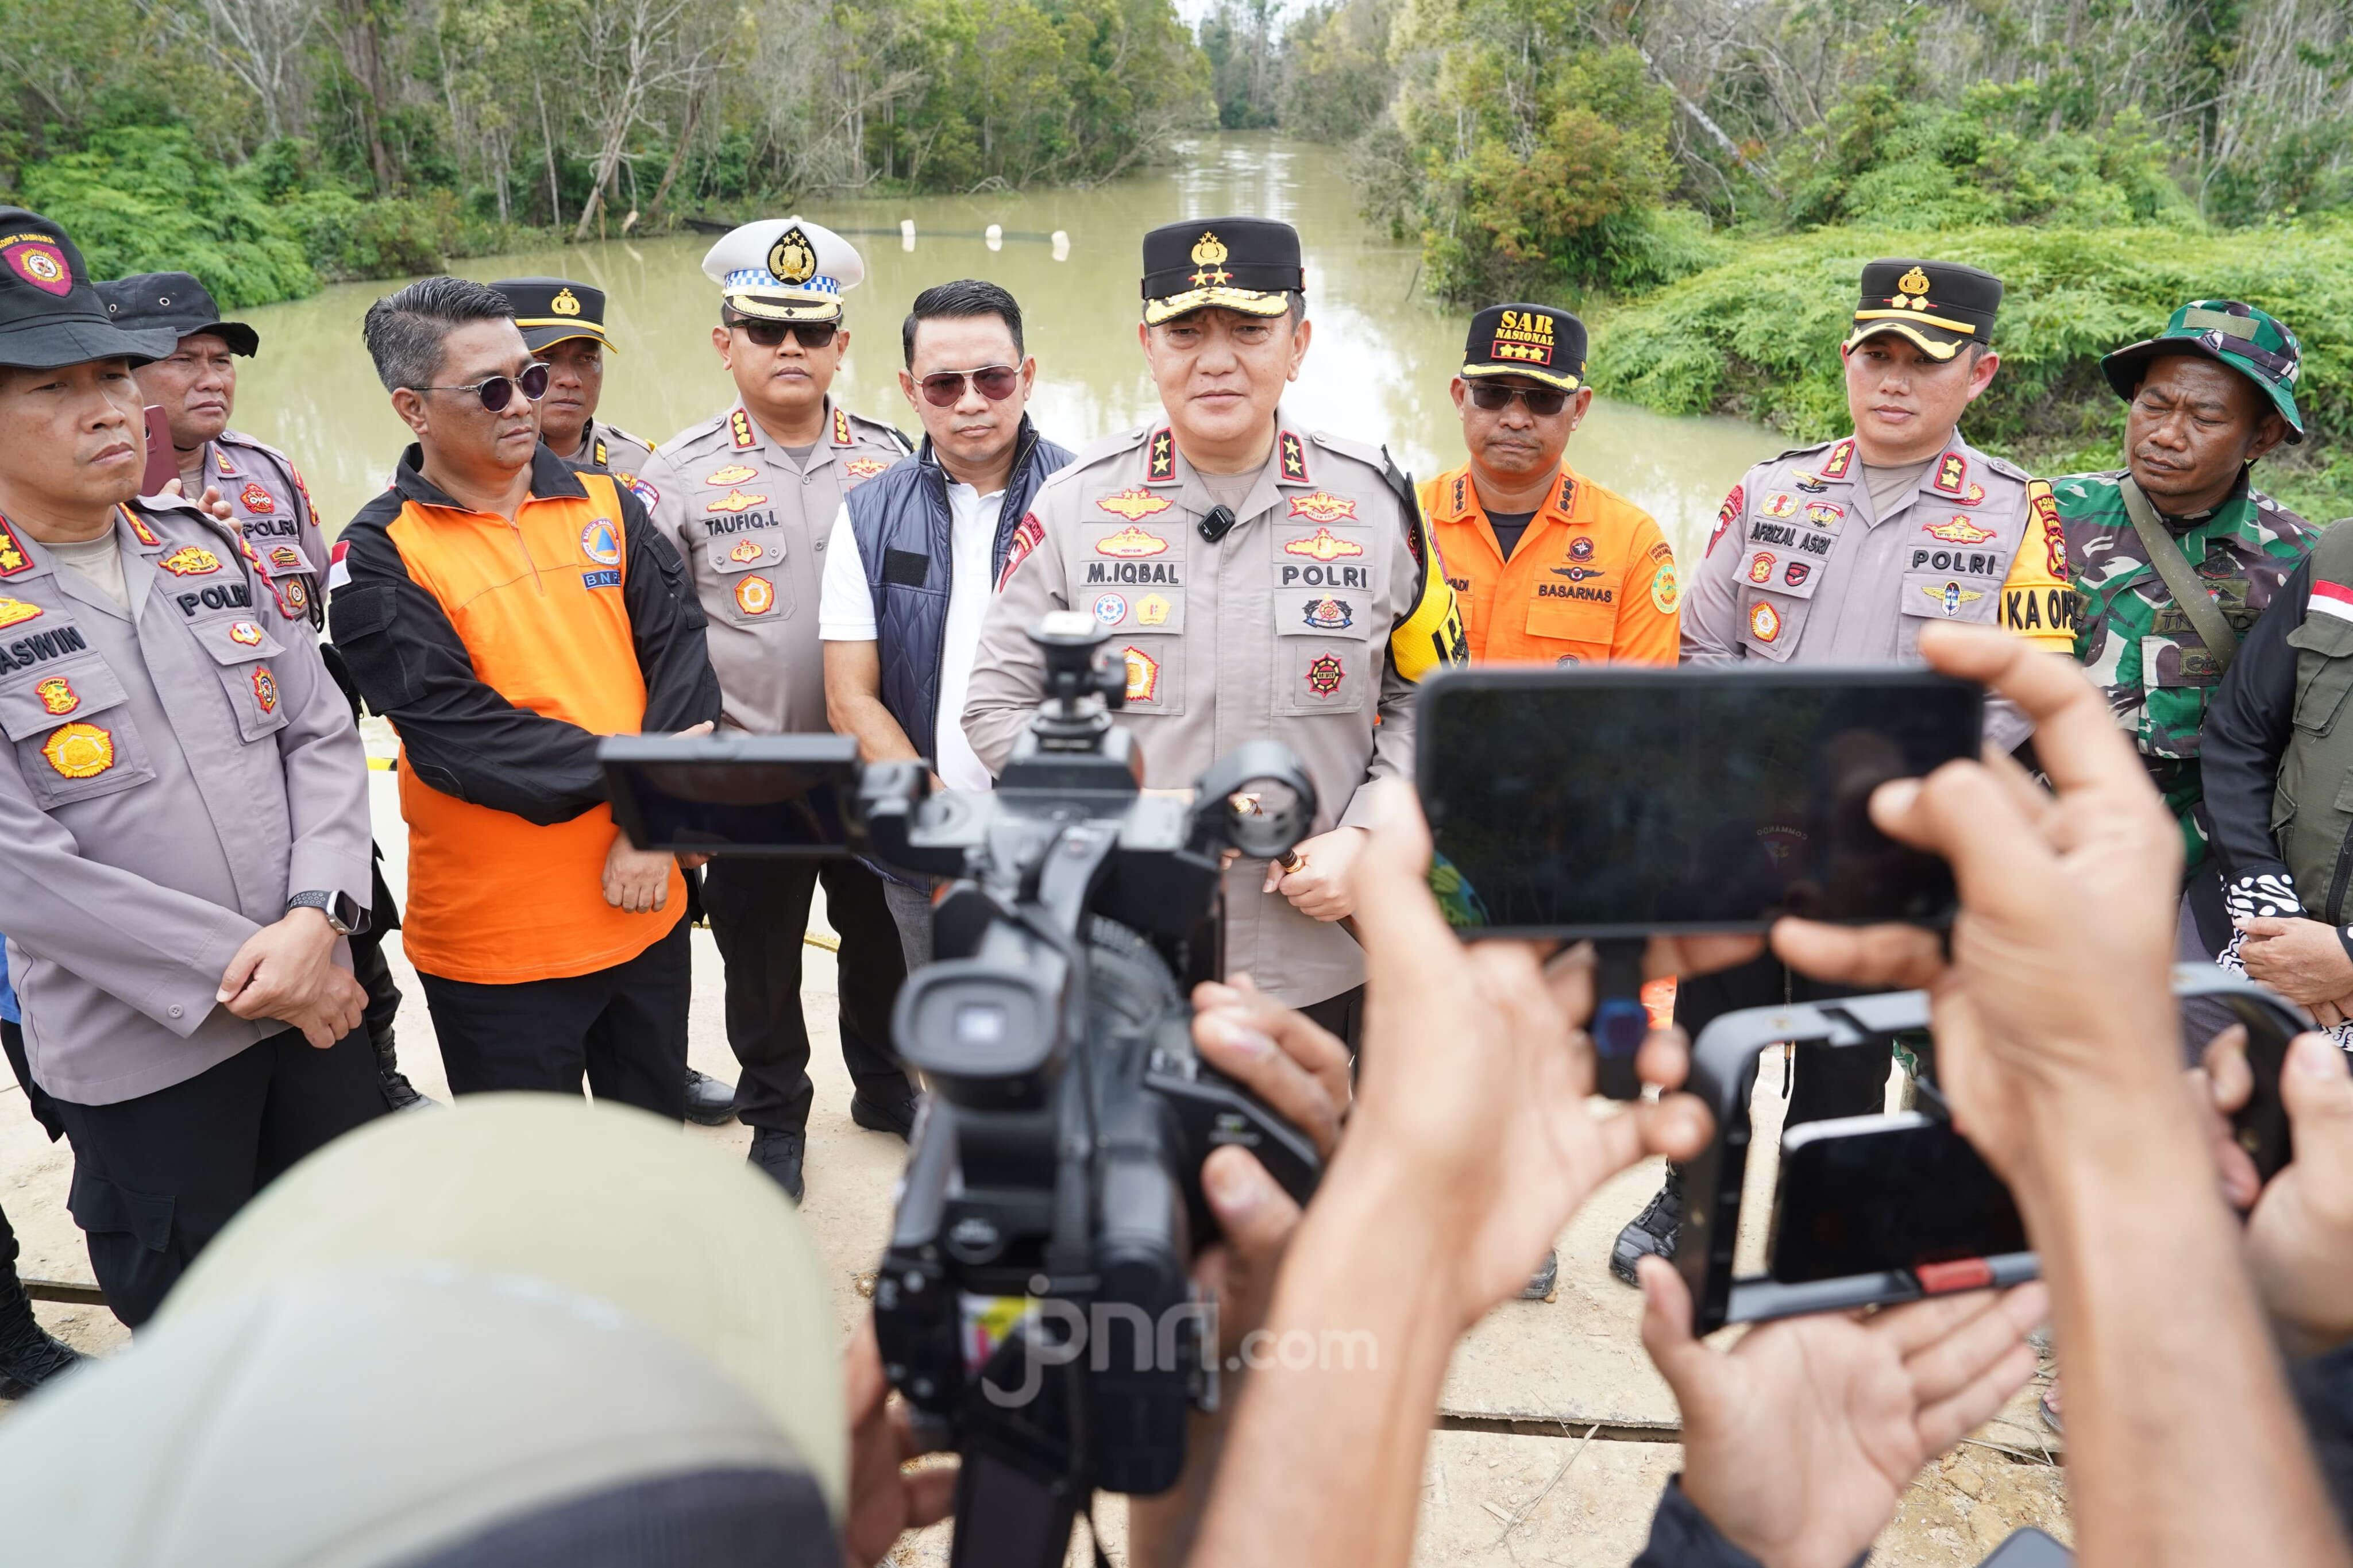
(2055, 1047)
(1471, 1145)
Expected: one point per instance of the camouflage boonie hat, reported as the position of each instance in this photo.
(2254, 344)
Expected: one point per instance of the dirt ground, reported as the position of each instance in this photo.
(1555, 1433)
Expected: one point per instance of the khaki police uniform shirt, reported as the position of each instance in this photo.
(1802, 570)
(272, 505)
(752, 527)
(1279, 631)
(172, 776)
(609, 449)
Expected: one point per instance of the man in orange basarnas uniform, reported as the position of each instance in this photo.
(1547, 566)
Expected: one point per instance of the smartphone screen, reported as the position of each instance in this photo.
(162, 462)
(1622, 801)
(733, 794)
(1859, 1194)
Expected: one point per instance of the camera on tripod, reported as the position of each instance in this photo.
(1034, 1304)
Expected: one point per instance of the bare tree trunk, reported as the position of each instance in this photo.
(363, 54)
(547, 140)
(676, 155)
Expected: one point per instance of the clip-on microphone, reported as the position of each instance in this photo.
(1217, 524)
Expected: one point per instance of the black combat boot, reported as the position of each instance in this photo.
(399, 1094)
(778, 1152)
(28, 1356)
(885, 1106)
(709, 1103)
(1652, 1233)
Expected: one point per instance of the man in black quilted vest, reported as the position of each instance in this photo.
(917, 551)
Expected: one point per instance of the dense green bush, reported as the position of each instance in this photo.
(1758, 335)
(146, 199)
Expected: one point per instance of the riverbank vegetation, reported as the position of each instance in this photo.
(269, 145)
(1703, 178)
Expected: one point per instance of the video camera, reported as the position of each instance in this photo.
(1034, 1304)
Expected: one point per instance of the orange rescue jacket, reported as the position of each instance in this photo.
(1592, 581)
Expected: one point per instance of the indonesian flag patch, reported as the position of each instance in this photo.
(2332, 599)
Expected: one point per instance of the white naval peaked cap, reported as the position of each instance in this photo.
(785, 270)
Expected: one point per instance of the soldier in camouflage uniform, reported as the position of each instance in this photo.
(2208, 396)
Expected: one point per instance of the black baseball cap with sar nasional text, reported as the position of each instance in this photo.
(50, 314)
(1246, 263)
(1539, 341)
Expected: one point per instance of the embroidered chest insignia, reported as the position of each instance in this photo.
(1134, 503)
(1323, 546)
(256, 499)
(58, 695)
(1131, 540)
(733, 474)
(1322, 507)
(865, 467)
(1324, 673)
(80, 751)
(734, 502)
(190, 560)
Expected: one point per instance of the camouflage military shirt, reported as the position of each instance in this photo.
(2139, 645)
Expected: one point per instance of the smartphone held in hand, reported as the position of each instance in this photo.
(1620, 801)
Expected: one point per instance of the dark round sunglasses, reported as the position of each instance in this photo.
(771, 334)
(1543, 402)
(944, 389)
(498, 391)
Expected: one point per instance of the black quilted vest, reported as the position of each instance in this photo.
(901, 520)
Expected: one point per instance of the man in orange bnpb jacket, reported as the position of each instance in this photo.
(1547, 566)
(505, 612)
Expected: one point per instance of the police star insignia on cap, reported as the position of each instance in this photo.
(785, 270)
(1246, 263)
(551, 310)
(1937, 305)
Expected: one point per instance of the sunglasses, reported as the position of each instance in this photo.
(944, 389)
(1543, 402)
(498, 391)
(772, 335)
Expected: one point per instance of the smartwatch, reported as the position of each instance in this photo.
(345, 915)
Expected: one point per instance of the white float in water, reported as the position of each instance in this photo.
(1062, 245)
(906, 234)
(994, 235)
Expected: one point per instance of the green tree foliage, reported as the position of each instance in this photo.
(1758, 336)
(270, 145)
(1336, 76)
(1240, 39)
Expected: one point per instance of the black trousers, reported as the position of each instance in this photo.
(1829, 1080)
(622, 1027)
(155, 1178)
(759, 910)
(45, 1111)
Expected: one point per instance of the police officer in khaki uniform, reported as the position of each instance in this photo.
(562, 324)
(749, 498)
(1262, 581)
(1839, 554)
(195, 386)
(184, 801)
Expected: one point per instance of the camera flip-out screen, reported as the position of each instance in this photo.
(735, 794)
